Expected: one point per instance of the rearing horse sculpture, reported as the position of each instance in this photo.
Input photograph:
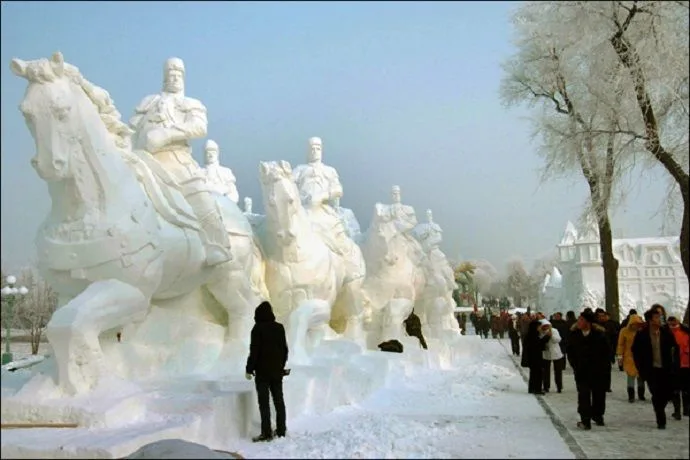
(104, 247)
(299, 264)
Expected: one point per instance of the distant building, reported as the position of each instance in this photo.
(650, 271)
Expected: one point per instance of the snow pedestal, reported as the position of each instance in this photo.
(213, 408)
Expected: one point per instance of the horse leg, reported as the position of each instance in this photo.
(349, 305)
(237, 295)
(73, 331)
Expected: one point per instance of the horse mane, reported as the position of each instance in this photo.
(41, 71)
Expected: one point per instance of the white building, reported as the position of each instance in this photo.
(650, 271)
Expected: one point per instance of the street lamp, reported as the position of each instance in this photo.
(10, 293)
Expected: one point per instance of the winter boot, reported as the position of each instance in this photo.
(640, 393)
(262, 438)
(631, 394)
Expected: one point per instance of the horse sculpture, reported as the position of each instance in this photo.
(394, 271)
(105, 247)
(300, 267)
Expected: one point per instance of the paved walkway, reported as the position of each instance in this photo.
(630, 430)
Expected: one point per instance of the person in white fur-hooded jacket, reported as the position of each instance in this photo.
(552, 352)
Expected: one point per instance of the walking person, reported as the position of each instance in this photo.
(533, 353)
(625, 357)
(588, 355)
(680, 394)
(268, 354)
(552, 353)
(514, 338)
(523, 327)
(561, 326)
(656, 357)
(611, 332)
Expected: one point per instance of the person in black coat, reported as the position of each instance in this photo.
(588, 354)
(659, 372)
(268, 354)
(533, 353)
(611, 331)
(514, 338)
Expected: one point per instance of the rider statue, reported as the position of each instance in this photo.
(320, 190)
(248, 205)
(429, 233)
(404, 215)
(163, 125)
(220, 178)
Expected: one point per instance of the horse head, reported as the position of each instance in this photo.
(383, 243)
(282, 205)
(71, 121)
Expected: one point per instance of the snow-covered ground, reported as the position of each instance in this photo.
(481, 410)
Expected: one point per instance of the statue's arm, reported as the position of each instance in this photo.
(195, 124)
(233, 193)
(336, 188)
(140, 111)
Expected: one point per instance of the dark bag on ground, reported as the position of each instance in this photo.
(392, 346)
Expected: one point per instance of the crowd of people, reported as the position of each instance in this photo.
(653, 350)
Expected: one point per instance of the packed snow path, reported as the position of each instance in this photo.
(628, 426)
(481, 410)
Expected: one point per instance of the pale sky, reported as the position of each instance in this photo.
(401, 93)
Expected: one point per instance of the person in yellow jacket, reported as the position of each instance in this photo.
(625, 357)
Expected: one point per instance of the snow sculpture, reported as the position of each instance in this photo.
(394, 268)
(320, 192)
(255, 220)
(403, 215)
(123, 229)
(437, 302)
(220, 179)
(300, 265)
(392, 318)
(164, 124)
(350, 221)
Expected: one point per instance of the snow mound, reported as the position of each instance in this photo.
(177, 448)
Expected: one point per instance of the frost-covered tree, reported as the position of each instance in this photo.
(650, 39)
(484, 275)
(518, 282)
(587, 106)
(36, 308)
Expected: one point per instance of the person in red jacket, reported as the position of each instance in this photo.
(682, 335)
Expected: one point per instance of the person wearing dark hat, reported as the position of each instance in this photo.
(588, 355)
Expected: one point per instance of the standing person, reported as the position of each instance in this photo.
(533, 350)
(563, 330)
(570, 321)
(485, 325)
(625, 357)
(552, 353)
(514, 338)
(656, 357)
(611, 332)
(627, 318)
(680, 394)
(587, 354)
(268, 354)
(523, 327)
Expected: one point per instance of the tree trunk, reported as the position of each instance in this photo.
(610, 265)
(631, 60)
(685, 249)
